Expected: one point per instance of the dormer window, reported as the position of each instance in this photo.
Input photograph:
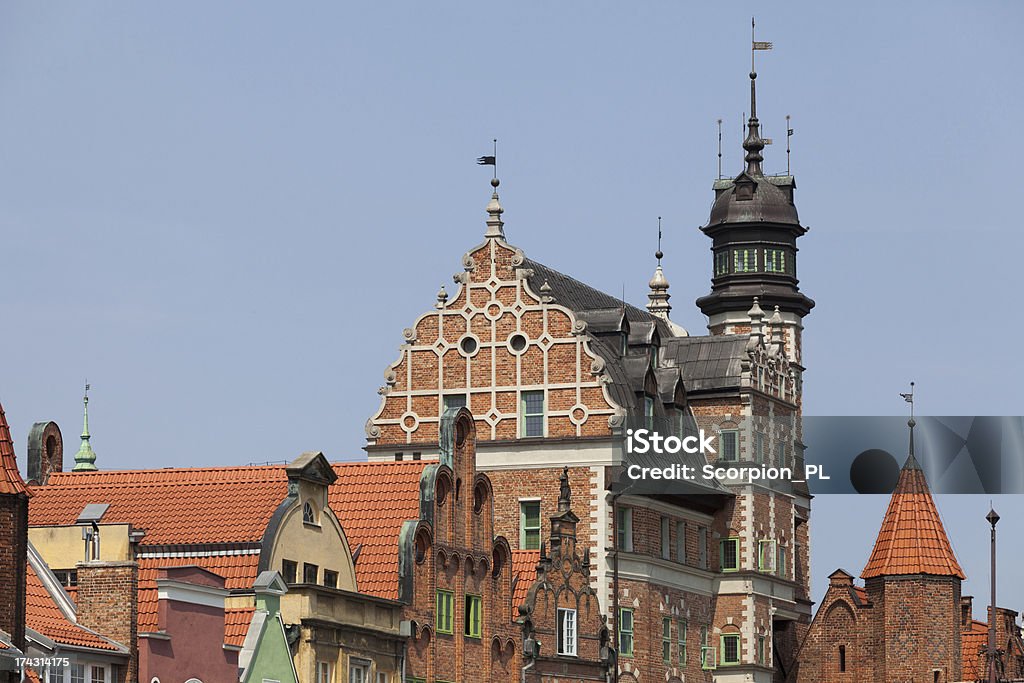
(649, 412)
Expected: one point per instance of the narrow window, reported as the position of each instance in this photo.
(766, 555)
(649, 412)
(324, 672)
(625, 632)
(702, 546)
(681, 628)
(666, 640)
(666, 545)
(330, 578)
(625, 529)
(760, 649)
(97, 674)
(780, 455)
(566, 631)
(454, 401)
(532, 409)
(781, 568)
(529, 525)
(729, 439)
(759, 447)
(309, 572)
(731, 649)
(842, 658)
(681, 542)
(308, 516)
(729, 555)
(707, 653)
(444, 611)
(472, 616)
(722, 263)
(744, 260)
(289, 571)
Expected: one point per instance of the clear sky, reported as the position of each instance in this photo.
(223, 214)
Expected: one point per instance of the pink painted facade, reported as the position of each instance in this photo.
(190, 640)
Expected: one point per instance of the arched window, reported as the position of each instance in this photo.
(308, 514)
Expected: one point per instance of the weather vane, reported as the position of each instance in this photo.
(909, 398)
(491, 160)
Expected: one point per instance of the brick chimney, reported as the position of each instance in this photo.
(14, 497)
(108, 603)
(966, 612)
(45, 452)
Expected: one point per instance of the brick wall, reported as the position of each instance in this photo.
(13, 557)
(107, 603)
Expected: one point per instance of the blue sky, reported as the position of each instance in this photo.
(224, 215)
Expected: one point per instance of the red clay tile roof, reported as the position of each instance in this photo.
(372, 499)
(524, 567)
(210, 505)
(31, 675)
(10, 479)
(236, 624)
(912, 539)
(239, 572)
(972, 643)
(44, 616)
(3, 645)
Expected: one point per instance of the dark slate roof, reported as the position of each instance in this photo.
(708, 363)
(604, 320)
(668, 379)
(573, 294)
(771, 201)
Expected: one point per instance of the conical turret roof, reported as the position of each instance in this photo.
(912, 539)
(10, 480)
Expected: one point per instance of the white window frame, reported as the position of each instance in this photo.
(624, 540)
(522, 522)
(523, 415)
(567, 631)
(323, 667)
(360, 667)
(728, 455)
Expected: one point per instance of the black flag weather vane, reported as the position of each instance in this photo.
(491, 160)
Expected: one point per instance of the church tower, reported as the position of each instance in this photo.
(754, 227)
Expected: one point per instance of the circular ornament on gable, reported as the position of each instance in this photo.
(469, 345)
(517, 342)
(578, 414)
(410, 421)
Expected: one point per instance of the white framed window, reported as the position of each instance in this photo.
(666, 545)
(77, 673)
(324, 672)
(359, 670)
(308, 514)
(681, 542)
(529, 524)
(97, 674)
(532, 412)
(625, 529)
(382, 677)
(566, 631)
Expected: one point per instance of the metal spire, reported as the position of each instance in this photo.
(657, 299)
(85, 459)
(753, 143)
(909, 398)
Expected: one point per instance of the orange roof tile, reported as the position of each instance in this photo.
(3, 645)
(372, 499)
(31, 675)
(912, 539)
(972, 644)
(524, 568)
(44, 616)
(211, 505)
(236, 624)
(10, 479)
(239, 572)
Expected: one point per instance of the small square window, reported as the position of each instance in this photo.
(330, 578)
(730, 649)
(309, 572)
(289, 571)
(532, 410)
(529, 524)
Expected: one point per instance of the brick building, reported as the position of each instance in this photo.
(909, 621)
(707, 583)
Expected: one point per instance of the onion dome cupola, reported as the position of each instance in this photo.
(754, 227)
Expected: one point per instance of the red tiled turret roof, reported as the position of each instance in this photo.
(912, 539)
(10, 480)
